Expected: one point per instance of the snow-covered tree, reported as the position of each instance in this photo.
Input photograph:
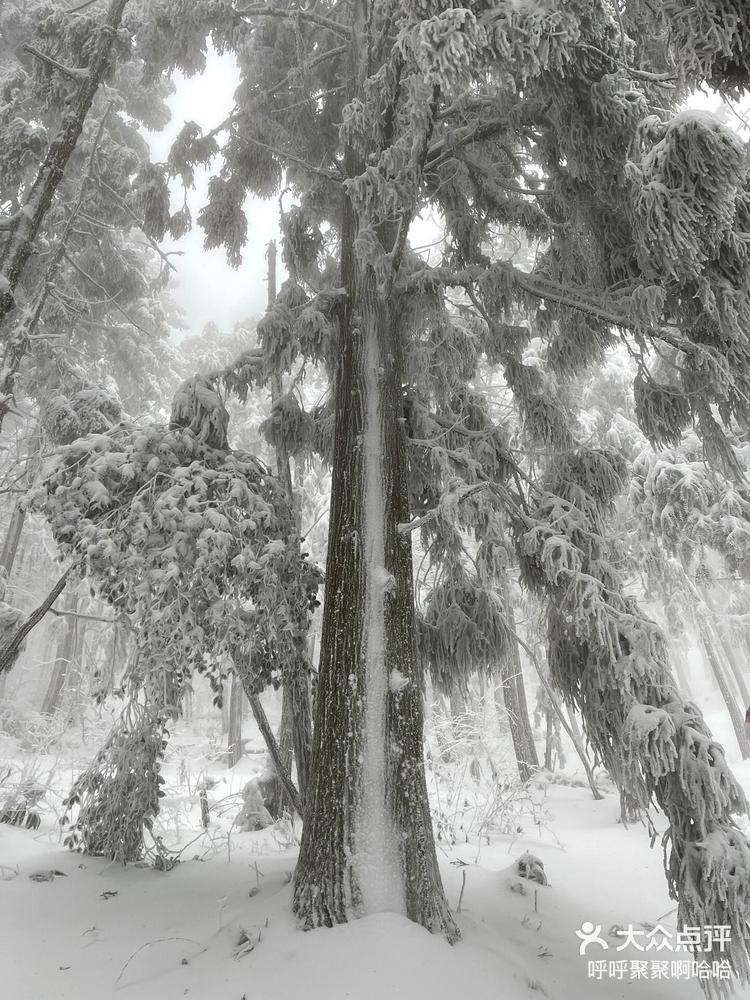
(560, 123)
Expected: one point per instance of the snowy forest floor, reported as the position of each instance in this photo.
(103, 930)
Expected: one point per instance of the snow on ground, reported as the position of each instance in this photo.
(104, 931)
(173, 934)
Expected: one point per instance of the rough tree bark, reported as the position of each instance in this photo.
(10, 651)
(367, 841)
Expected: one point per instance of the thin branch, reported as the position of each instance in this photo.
(109, 300)
(538, 287)
(297, 15)
(81, 7)
(139, 222)
(637, 74)
(74, 73)
(446, 147)
(285, 155)
(409, 526)
(495, 179)
(329, 54)
(90, 618)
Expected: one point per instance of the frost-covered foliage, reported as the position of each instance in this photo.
(612, 662)
(117, 796)
(693, 512)
(463, 629)
(92, 288)
(188, 540)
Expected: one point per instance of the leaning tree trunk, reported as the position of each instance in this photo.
(275, 798)
(367, 841)
(18, 517)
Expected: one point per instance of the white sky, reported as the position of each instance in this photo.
(205, 286)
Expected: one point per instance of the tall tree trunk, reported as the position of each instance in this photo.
(234, 741)
(548, 734)
(514, 696)
(65, 655)
(367, 840)
(12, 538)
(714, 659)
(18, 517)
(727, 646)
(296, 676)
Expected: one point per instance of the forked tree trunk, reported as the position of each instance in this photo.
(367, 841)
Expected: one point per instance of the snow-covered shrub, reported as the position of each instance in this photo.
(253, 815)
(117, 796)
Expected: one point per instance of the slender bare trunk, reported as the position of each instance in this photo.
(727, 645)
(714, 660)
(514, 696)
(65, 656)
(234, 741)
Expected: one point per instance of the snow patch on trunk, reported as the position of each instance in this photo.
(377, 859)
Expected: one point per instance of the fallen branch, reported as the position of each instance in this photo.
(150, 944)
